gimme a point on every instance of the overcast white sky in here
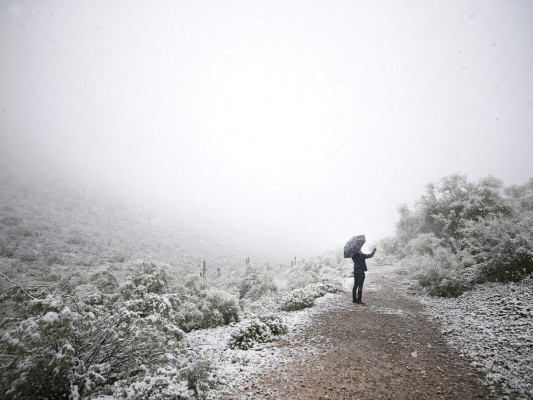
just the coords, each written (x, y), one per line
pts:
(296, 122)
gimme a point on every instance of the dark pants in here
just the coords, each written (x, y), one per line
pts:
(358, 280)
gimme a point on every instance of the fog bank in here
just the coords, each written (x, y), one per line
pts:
(289, 126)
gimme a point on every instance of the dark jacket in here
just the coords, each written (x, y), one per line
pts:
(359, 263)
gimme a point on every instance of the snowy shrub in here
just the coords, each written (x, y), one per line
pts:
(147, 278)
(207, 309)
(65, 353)
(439, 275)
(195, 284)
(225, 304)
(40, 355)
(299, 299)
(199, 377)
(332, 285)
(276, 324)
(258, 330)
(424, 243)
(254, 332)
(463, 233)
(190, 317)
(77, 345)
(255, 284)
(104, 281)
(159, 386)
(501, 248)
(191, 380)
(89, 294)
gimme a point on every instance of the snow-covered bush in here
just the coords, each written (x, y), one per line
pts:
(258, 330)
(80, 318)
(501, 248)
(208, 308)
(433, 277)
(424, 243)
(224, 304)
(199, 376)
(77, 345)
(147, 278)
(332, 285)
(255, 284)
(191, 380)
(161, 385)
(105, 281)
(461, 233)
(276, 323)
(300, 298)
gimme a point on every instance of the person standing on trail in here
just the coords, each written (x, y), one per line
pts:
(359, 269)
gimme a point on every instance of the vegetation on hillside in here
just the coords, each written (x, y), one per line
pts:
(95, 303)
(463, 233)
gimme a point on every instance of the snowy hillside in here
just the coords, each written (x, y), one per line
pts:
(56, 224)
(98, 302)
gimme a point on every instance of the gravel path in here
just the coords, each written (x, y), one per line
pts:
(386, 349)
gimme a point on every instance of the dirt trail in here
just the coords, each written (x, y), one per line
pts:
(386, 349)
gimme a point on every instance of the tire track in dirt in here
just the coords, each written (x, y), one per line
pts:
(386, 349)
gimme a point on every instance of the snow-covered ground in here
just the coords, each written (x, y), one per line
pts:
(493, 327)
(234, 367)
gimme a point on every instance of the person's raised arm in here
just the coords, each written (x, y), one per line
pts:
(371, 254)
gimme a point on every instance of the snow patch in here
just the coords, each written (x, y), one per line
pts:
(493, 327)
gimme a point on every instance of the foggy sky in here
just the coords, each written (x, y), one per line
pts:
(294, 124)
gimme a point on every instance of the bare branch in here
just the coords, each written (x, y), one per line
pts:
(17, 284)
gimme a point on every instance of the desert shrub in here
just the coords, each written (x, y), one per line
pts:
(77, 345)
(88, 294)
(72, 280)
(104, 281)
(522, 195)
(276, 324)
(57, 352)
(190, 379)
(199, 377)
(332, 285)
(161, 385)
(424, 243)
(300, 298)
(500, 248)
(440, 274)
(255, 284)
(190, 318)
(118, 257)
(258, 330)
(147, 277)
(254, 332)
(226, 304)
(208, 308)
(195, 284)
(464, 233)
(52, 257)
